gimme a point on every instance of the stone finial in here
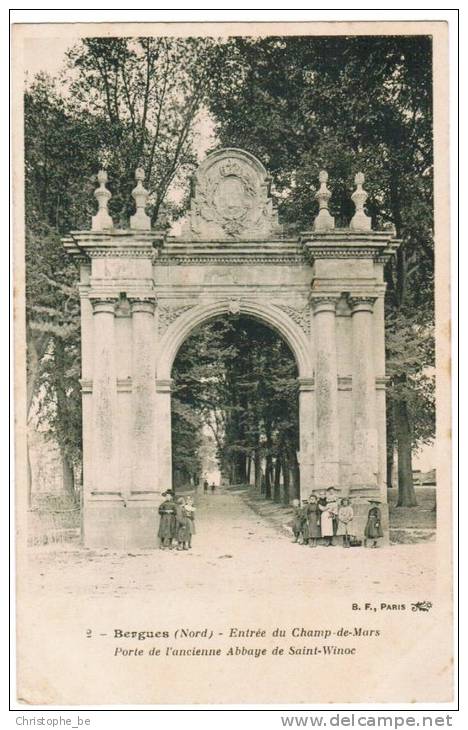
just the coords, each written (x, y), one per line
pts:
(102, 219)
(360, 221)
(323, 221)
(140, 220)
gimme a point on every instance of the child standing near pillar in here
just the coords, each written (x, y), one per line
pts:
(313, 519)
(305, 522)
(190, 511)
(183, 525)
(373, 530)
(167, 520)
(345, 521)
(328, 522)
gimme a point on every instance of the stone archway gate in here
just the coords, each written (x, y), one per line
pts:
(142, 294)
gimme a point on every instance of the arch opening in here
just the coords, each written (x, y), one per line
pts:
(270, 316)
(235, 408)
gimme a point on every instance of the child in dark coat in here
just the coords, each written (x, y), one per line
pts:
(313, 518)
(305, 522)
(373, 529)
(297, 519)
(167, 521)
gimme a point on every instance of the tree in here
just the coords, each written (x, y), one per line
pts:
(130, 103)
(55, 200)
(144, 95)
(347, 104)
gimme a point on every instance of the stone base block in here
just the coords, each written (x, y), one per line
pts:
(120, 525)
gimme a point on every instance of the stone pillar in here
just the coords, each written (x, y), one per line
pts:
(380, 394)
(164, 434)
(104, 421)
(87, 357)
(306, 435)
(143, 395)
(326, 392)
(364, 400)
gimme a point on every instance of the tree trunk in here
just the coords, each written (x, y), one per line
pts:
(276, 485)
(258, 469)
(406, 493)
(268, 465)
(286, 481)
(390, 445)
(390, 463)
(268, 475)
(68, 478)
(295, 489)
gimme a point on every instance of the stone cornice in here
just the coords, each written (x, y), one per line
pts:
(177, 252)
(114, 243)
(347, 244)
(121, 253)
(223, 260)
(309, 246)
(124, 385)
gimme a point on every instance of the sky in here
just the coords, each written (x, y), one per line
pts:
(45, 54)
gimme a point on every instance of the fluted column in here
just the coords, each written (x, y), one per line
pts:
(164, 433)
(326, 392)
(104, 421)
(364, 400)
(143, 396)
(306, 435)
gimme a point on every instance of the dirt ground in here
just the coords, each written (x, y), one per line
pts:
(233, 544)
(243, 572)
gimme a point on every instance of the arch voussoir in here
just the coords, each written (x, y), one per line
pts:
(267, 313)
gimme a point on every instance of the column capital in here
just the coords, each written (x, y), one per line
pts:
(324, 302)
(142, 302)
(362, 302)
(103, 302)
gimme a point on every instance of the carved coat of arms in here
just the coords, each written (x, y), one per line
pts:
(231, 199)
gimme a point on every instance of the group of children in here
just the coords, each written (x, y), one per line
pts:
(324, 517)
(176, 522)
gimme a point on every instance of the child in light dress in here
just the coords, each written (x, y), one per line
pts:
(329, 519)
(345, 521)
(190, 512)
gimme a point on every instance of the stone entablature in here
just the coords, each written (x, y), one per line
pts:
(142, 294)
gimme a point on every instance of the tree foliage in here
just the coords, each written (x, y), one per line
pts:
(240, 378)
(348, 104)
(144, 96)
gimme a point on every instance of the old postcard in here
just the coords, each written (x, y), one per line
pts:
(232, 363)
